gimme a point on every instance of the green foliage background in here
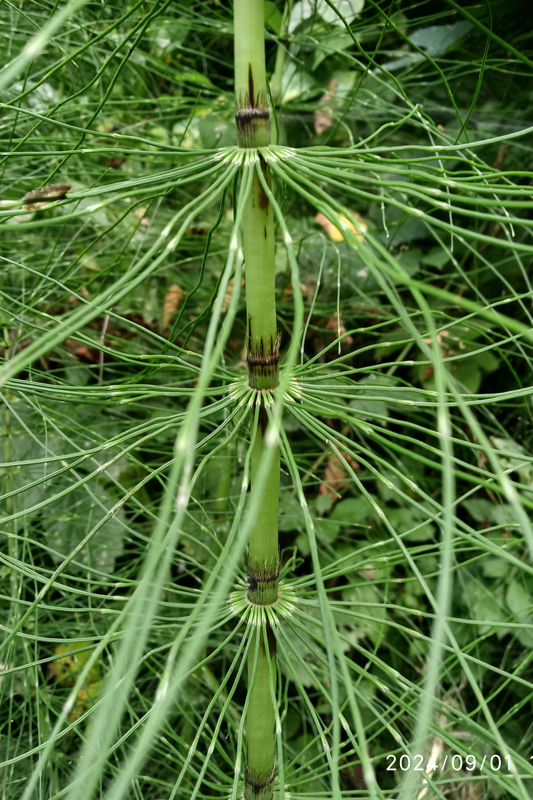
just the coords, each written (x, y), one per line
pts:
(407, 628)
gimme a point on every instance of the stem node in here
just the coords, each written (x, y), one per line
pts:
(263, 362)
(263, 581)
(257, 789)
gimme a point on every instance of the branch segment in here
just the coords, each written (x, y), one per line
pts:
(251, 98)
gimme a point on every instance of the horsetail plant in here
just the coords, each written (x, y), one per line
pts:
(253, 128)
(300, 570)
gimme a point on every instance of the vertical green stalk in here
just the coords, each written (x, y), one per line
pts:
(275, 80)
(263, 342)
(253, 126)
(251, 98)
(260, 719)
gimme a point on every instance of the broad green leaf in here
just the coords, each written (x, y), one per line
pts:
(412, 523)
(351, 511)
(273, 17)
(307, 9)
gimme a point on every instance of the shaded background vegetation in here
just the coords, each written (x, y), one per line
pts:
(119, 102)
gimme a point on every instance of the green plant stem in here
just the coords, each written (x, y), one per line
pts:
(260, 766)
(251, 97)
(259, 252)
(263, 548)
(263, 568)
(253, 126)
(277, 75)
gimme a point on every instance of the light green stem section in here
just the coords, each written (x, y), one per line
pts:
(251, 97)
(249, 16)
(263, 549)
(253, 126)
(259, 252)
(260, 736)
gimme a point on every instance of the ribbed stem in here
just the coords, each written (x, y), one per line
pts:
(263, 548)
(259, 255)
(253, 126)
(260, 764)
(251, 98)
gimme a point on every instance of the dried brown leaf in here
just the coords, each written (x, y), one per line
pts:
(229, 294)
(173, 298)
(39, 198)
(336, 477)
(354, 223)
(324, 112)
(337, 325)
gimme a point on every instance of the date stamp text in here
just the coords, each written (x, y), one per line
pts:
(457, 763)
